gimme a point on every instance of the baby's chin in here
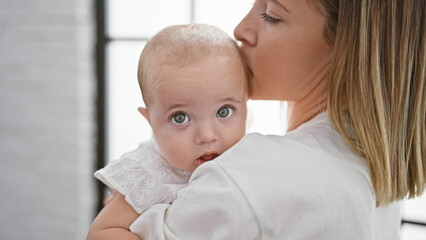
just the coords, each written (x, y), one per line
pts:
(188, 167)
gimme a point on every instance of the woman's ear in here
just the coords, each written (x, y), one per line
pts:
(144, 113)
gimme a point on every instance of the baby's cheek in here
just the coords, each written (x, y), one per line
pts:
(240, 129)
(177, 155)
(235, 137)
(169, 152)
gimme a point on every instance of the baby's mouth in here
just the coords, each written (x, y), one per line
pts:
(206, 157)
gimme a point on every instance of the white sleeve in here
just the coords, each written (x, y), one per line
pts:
(144, 177)
(210, 207)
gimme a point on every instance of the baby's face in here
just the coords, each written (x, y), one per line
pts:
(199, 110)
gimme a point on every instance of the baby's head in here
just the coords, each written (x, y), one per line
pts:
(194, 83)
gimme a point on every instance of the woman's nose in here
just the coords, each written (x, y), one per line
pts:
(245, 32)
(206, 133)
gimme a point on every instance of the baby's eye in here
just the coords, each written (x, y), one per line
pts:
(225, 112)
(180, 118)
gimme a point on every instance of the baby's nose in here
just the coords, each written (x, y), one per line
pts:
(206, 133)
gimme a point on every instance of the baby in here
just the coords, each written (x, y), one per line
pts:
(194, 83)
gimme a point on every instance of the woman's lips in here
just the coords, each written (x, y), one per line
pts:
(205, 158)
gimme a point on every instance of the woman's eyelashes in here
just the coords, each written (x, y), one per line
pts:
(269, 19)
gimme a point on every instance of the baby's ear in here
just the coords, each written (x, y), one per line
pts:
(144, 113)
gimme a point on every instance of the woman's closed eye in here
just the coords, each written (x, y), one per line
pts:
(269, 19)
(225, 111)
(179, 118)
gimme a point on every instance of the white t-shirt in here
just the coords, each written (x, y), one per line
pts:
(307, 184)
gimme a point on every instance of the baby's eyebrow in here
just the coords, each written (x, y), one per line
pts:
(171, 107)
(230, 99)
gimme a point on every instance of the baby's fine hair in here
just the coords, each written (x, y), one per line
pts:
(181, 45)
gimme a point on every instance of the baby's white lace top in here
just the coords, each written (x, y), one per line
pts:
(144, 177)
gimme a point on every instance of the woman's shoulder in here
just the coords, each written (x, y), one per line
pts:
(314, 157)
(314, 152)
(306, 143)
(297, 175)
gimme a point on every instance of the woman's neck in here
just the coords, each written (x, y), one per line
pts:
(296, 116)
(306, 108)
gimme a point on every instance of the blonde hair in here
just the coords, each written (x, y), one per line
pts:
(377, 89)
(180, 45)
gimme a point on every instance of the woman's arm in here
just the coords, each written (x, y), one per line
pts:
(113, 221)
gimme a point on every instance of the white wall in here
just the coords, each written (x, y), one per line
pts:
(47, 118)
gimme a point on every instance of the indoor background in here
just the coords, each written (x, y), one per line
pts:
(68, 105)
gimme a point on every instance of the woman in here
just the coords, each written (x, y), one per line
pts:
(353, 74)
